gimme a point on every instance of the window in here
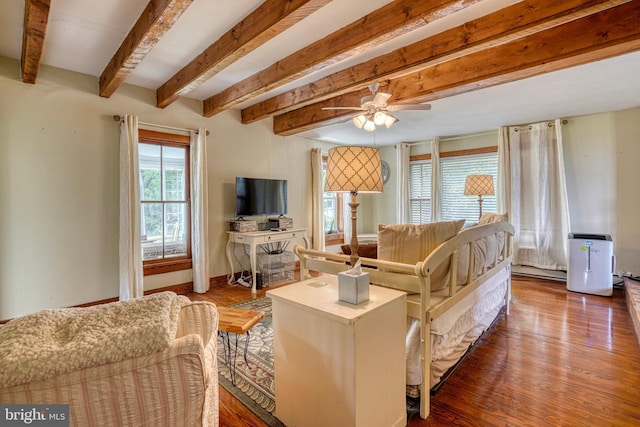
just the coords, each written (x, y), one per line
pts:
(331, 212)
(453, 173)
(454, 168)
(164, 197)
(420, 192)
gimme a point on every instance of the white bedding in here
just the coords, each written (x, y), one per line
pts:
(456, 329)
(445, 322)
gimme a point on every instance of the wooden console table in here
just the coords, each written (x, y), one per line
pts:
(257, 238)
(338, 364)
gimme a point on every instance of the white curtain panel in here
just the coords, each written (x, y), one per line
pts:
(317, 200)
(402, 170)
(503, 192)
(435, 179)
(130, 249)
(199, 210)
(539, 208)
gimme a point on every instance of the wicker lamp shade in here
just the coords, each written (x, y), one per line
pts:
(479, 185)
(354, 169)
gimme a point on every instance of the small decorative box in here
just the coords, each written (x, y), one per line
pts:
(353, 289)
(244, 226)
(282, 222)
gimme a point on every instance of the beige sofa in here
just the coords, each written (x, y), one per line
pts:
(175, 385)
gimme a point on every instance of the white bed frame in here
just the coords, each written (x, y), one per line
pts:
(416, 279)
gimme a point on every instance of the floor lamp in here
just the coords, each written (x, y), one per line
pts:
(479, 185)
(355, 170)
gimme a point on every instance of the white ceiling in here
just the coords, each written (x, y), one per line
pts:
(83, 35)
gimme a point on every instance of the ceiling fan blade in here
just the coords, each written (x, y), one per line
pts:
(409, 107)
(381, 98)
(344, 108)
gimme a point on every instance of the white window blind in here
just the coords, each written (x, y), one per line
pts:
(454, 171)
(420, 191)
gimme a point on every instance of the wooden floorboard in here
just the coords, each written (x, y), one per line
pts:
(232, 412)
(558, 359)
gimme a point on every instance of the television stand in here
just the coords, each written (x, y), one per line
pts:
(256, 238)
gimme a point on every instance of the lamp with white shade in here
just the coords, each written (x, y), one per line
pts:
(355, 170)
(479, 185)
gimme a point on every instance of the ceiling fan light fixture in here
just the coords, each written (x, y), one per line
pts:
(380, 118)
(376, 110)
(369, 125)
(389, 120)
(359, 120)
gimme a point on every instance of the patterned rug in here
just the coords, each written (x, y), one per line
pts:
(254, 380)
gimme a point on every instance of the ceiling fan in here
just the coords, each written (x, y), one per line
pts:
(375, 110)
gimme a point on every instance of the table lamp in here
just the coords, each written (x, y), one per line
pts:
(355, 170)
(479, 185)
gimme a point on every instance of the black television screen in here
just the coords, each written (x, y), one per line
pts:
(259, 196)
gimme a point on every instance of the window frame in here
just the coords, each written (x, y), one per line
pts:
(167, 265)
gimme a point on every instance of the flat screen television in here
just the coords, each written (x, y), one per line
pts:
(260, 196)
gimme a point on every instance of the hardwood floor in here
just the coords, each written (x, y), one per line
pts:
(232, 412)
(558, 359)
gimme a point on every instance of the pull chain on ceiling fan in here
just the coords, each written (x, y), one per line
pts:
(375, 110)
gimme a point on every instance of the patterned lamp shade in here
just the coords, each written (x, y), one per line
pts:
(479, 185)
(354, 169)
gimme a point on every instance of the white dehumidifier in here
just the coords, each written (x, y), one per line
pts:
(591, 264)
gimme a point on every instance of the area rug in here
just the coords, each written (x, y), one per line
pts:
(254, 380)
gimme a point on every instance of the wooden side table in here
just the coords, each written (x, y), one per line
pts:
(236, 321)
(338, 364)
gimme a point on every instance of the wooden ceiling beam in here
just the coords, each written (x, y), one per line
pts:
(602, 35)
(500, 27)
(156, 19)
(384, 24)
(36, 15)
(270, 19)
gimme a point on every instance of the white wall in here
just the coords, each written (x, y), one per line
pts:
(601, 164)
(59, 184)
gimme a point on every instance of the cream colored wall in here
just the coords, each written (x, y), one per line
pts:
(59, 184)
(627, 150)
(601, 164)
(383, 206)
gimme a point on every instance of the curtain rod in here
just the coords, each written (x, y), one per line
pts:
(117, 118)
(453, 138)
(529, 127)
(472, 135)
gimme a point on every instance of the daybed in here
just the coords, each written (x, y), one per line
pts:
(457, 281)
(145, 362)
